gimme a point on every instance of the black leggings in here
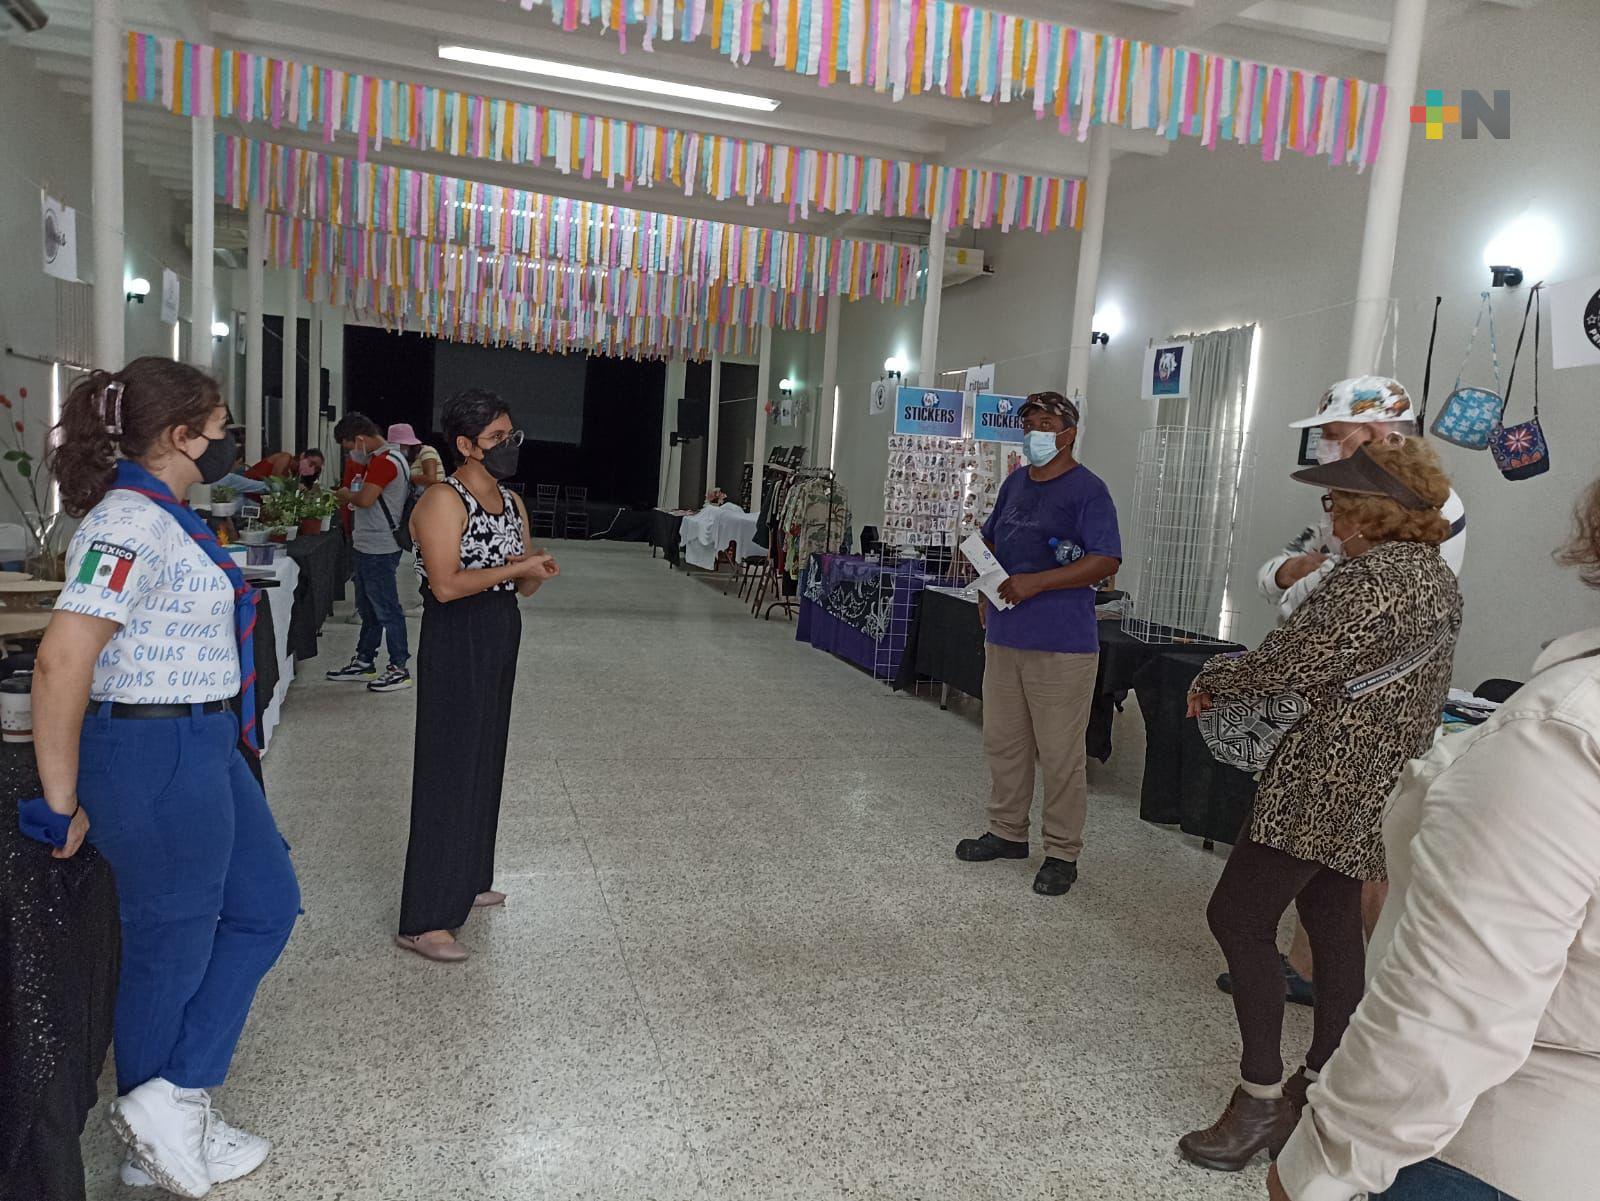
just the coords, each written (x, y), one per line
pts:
(1256, 887)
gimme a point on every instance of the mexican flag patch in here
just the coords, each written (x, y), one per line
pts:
(106, 566)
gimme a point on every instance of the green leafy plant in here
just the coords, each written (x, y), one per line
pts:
(24, 484)
(319, 503)
(221, 494)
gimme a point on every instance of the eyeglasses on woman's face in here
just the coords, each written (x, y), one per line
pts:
(1327, 502)
(502, 438)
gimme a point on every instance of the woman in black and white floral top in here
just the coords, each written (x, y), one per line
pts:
(471, 534)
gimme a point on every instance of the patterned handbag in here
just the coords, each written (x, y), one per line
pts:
(1244, 732)
(1470, 414)
(1521, 451)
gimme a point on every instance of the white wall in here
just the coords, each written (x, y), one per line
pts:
(44, 141)
(1202, 240)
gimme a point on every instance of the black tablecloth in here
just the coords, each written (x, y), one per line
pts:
(666, 530)
(1183, 784)
(619, 523)
(324, 561)
(60, 951)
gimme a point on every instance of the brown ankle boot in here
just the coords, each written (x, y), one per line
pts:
(1248, 1126)
(1294, 1091)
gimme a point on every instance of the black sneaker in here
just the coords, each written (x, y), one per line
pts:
(357, 669)
(1297, 990)
(393, 679)
(1055, 877)
(990, 846)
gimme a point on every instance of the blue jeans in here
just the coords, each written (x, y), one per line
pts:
(1432, 1180)
(378, 603)
(204, 885)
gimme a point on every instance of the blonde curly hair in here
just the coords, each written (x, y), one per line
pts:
(1412, 461)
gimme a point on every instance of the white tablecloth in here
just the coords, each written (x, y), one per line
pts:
(712, 528)
(281, 601)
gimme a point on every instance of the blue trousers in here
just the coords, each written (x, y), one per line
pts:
(204, 884)
(378, 604)
(1432, 1180)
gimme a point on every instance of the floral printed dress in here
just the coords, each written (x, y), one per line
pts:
(1322, 797)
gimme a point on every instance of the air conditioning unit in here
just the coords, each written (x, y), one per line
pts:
(963, 264)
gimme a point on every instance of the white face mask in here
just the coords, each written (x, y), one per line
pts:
(1329, 451)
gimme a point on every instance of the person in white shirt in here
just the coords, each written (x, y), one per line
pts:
(1352, 413)
(139, 749)
(1471, 1070)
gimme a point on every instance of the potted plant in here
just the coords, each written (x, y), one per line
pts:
(30, 495)
(224, 500)
(317, 508)
(254, 533)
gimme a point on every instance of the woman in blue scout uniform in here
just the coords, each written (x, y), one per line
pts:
(139, 745)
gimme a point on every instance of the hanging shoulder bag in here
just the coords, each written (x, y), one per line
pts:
(1244, 732)
(1469, 414)
(1521, 451)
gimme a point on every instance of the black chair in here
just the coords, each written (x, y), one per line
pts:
(542, 512)
(576, 524)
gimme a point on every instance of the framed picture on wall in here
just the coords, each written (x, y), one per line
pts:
(1310, 440)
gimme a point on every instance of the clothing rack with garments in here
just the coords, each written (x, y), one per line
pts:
(809, 513)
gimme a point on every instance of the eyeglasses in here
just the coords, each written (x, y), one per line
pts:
(1327, 502)
(514, 438)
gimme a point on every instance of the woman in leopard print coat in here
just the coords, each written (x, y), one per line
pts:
(1314, 834)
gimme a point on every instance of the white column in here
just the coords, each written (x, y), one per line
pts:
(822, 456)
(1376, 277)
(293, 436)
(289, 403)
(758, 456)
(203, 261)
(105, 167)
(929, 369)
(254, 304)
(713, 420)
(1090, 243)
(670, 392)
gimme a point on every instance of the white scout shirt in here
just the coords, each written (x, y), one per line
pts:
(131, 563)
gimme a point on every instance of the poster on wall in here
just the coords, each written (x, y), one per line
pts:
(999, 418)
(171, 296)
(1575, 329)
(786, 410)
(58, 236)
(879, 400)
(928, 412)
(1166, 371)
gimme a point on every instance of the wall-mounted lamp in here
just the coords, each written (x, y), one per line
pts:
(219, 330)
(895, 367)
(138, 289)
(1099, 338)
(1531, 242)
(787, 386)
(1107, 324)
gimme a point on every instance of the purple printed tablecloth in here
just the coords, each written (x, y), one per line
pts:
(860, 609)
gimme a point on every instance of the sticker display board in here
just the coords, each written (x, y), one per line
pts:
(1166, 371)
(998, 418)
(928, 412)
(1575, 325)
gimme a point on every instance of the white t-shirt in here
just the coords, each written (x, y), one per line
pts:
(131, 563)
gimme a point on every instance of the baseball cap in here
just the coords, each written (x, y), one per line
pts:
(1050, 402)
(401, 434)
(1364, 476)
(1362, 399)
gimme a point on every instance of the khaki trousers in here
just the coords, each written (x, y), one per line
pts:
(1036, 705)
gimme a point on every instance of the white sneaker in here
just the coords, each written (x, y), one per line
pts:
(230, 1154)
(164, 1128)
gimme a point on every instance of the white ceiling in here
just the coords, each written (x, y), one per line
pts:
(399, 39)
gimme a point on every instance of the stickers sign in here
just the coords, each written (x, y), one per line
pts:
(1166, 371)
(929, 412)
(999, 418)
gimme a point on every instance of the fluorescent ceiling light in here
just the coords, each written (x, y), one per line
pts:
(605, 79)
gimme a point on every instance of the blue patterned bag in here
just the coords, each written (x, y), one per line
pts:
(1470, 415)
(1521, 451)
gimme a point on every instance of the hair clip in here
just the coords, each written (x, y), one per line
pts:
(111, 407)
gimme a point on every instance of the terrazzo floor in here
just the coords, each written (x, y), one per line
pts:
(740, 961)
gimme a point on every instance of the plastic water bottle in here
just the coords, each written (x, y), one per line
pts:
(1066, 552)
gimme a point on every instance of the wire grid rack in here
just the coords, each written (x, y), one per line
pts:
(1193, 491)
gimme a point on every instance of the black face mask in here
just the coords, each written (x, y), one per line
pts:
(501, 461)
(217, 458)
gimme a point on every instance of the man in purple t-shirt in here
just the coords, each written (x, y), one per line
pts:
(1054, 530)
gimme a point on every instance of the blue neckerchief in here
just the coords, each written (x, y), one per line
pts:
(131, 477)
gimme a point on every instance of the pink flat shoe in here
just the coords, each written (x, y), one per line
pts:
(445, 951)
(488, 900)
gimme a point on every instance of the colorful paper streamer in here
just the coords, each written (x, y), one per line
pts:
(1074, 76)
(199, 80)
